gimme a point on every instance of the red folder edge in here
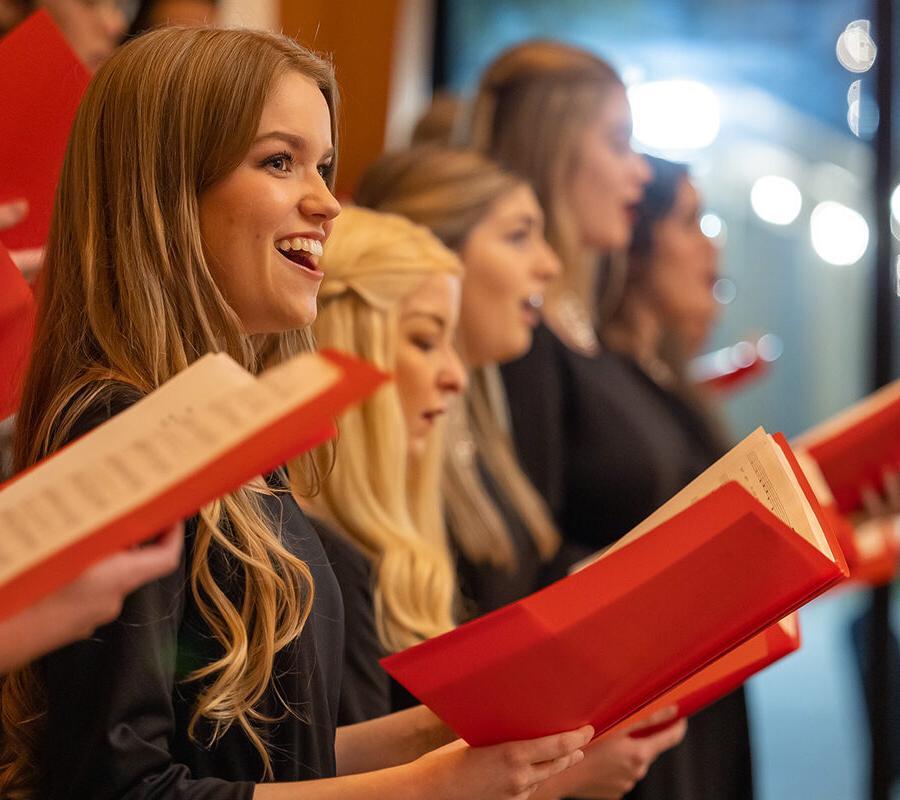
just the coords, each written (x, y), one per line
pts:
(294, 435)
(17, 316)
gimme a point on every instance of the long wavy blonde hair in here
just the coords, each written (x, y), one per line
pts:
(128, 298)
(390, 507)
(533, 105)
(450, 191)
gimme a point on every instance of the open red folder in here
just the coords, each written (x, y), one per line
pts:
(731, 554)
(16, 326)
(41, 84)
(854, 448)
(722, 676)
(204, 433)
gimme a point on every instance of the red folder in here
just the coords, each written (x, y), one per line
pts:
(41, 84)
(855, 454)
(292, 434)
(722, 676)
(599, 645)
(17, 311)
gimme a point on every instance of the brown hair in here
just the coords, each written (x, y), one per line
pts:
(532, 106)
(451, 191)
(128, 298)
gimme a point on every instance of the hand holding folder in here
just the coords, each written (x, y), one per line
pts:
(204, 433)
(733, 553)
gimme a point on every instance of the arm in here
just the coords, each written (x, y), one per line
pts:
(389, 741)
(92, 599)
(508, 771)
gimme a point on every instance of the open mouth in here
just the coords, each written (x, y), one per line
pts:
(431, 416)
(301, 251)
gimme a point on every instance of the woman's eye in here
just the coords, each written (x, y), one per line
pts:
(519, 236)
(423, 344)
(325, 170)
(280, 162)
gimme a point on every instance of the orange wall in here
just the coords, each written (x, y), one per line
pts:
(360, 36)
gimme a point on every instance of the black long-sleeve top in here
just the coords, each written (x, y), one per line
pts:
(365, 686)
(119, 708)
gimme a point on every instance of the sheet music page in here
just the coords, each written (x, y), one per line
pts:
(875, 402)
(760, 467)
(148, 448)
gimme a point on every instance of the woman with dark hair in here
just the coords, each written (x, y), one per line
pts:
(661, 318)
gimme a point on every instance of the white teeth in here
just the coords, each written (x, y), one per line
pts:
(312, 246)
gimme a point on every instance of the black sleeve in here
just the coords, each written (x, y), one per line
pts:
(535, 390)
(110, 717)
(365, 686)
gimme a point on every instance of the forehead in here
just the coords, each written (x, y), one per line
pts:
(437, 295)
(297, 106)
(614, 110)
(518, 202)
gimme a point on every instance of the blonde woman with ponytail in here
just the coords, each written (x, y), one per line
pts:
(194, 201)
(504, 540)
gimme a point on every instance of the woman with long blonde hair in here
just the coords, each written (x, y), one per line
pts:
(505, 543)
(392, 298)
(193, 206)
(591, 432)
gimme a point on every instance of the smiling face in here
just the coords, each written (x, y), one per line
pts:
(508, 266)
(683, 270)
(264, 224)
(428, 370)
(608, 177)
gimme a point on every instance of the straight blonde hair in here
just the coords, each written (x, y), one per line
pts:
(128, 298)
(451, 191)
(392, 511)
(533, 105)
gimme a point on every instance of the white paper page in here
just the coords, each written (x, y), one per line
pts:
(156, 444)
(759, 466)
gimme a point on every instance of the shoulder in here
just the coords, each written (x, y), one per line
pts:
(349, 562)
(94, 405)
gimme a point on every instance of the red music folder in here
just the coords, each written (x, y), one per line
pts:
(853, 448)
(17, 312)
(204, 433)
(722, 676)
(734, 552)
(41, 84)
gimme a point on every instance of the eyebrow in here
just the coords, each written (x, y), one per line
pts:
(437, 319)
(298, 143)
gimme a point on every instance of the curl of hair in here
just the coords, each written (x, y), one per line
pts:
(393, 512)
(128, 297)
(532, 108)
(450, 191)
